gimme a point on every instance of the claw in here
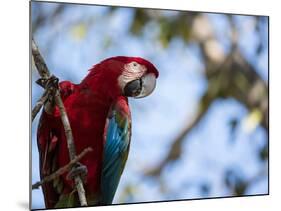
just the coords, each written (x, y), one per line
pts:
(52, 81)
(78, 170)
(50, 84)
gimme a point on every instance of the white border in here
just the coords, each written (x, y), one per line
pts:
(15, 103)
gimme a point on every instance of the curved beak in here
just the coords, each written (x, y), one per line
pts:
(141, 87)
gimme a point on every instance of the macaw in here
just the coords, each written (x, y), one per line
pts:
(100, 118)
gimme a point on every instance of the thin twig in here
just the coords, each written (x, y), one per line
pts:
(63, 169)
(40, 103)
(45, 74)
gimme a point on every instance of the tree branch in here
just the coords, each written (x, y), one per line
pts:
(40, 103)
(45, 75)
(63, 169)
(39, 62)
(175, 149)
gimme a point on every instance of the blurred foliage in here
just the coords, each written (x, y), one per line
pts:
(79, 31)
(252, 120)
(169, 27)
(235, 182)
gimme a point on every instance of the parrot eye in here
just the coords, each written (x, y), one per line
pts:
(135, 64)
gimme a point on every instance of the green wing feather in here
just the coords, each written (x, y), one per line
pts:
(117, 143)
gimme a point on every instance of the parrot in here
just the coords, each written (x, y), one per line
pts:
(100, 118)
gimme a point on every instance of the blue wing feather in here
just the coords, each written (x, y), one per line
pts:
(115, 152)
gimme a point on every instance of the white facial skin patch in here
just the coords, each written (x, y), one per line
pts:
(132, 71)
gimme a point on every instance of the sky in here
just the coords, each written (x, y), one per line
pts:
(84, 35)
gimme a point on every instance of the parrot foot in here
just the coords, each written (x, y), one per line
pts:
(52, 81)
(50, 84)
(78, 170)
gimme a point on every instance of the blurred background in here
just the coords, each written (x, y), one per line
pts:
(204, 131)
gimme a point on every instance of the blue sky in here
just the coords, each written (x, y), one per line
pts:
(207, 151)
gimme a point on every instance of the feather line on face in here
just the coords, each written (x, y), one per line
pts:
(132, 71)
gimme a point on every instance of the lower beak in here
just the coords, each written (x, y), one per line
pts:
(133, 88)
(141, 87)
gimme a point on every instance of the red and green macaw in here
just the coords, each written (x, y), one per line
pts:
(100, 118)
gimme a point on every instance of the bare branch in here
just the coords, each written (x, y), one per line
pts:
(40, 103)
(39, 62)
(63, 169)
(45, 74)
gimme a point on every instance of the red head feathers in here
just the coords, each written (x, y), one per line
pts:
(121, 75)
(124, 59)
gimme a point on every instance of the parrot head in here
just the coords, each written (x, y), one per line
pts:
(137, 78)
(127, 76)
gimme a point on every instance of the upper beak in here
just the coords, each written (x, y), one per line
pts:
(141, 87)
